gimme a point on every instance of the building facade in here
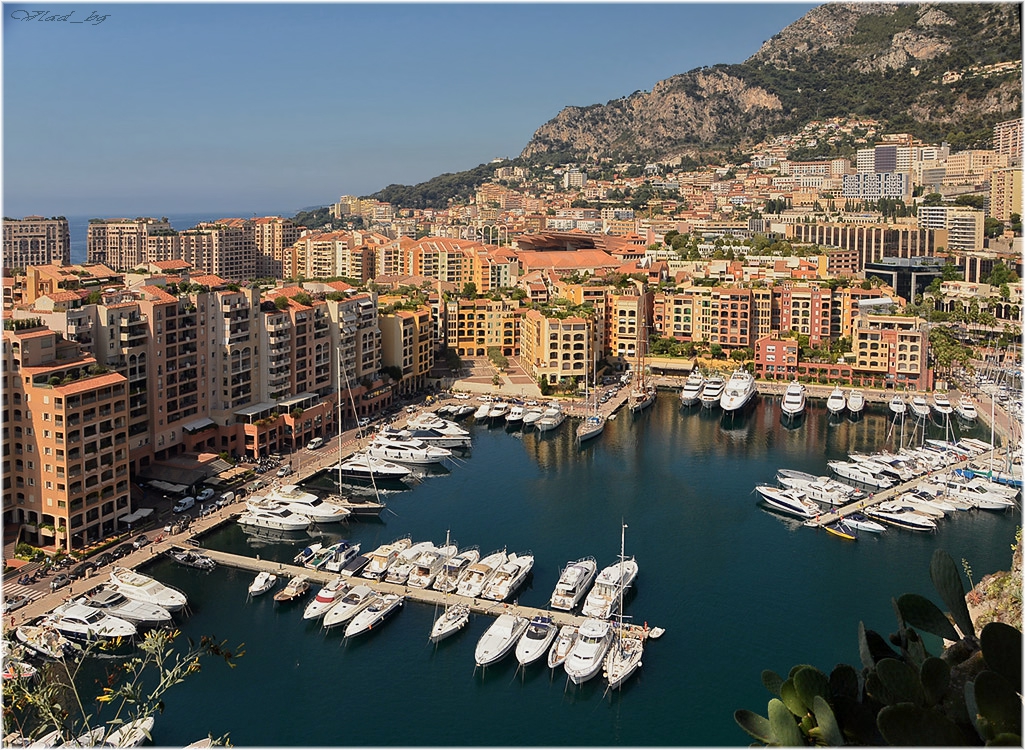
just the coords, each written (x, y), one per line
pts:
(36, 241)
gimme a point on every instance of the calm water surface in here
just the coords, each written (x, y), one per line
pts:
(737, 588)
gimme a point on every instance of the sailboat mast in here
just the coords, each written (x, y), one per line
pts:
(339, 351)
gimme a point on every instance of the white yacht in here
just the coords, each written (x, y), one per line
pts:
(444, 426)
(856, 402)
(536, 639)
(854, 472)
(861, 523)
(398, 572)
(136, 585)
(407, 451)
(592, 426)
(897, 404)
(364, 466)
(376, 612)
(836, 402)
(113, 602)
(351, 604)
(739, 391)
(821, 489)
(454, 618)
(712, 392)
(550, 418)
(563, 644)
(263, 583)
(530, 417)
(381, 558)
(499, 409)
(329, 593)
(294, 498)
(691, 392)
(429, 564)
(81, 623)
(573, 583)
(426, 435)
(482, 412)
(334, 557)
(941, 406)
(588, 653)
(509, 576)
(919, 406)
(515, 415)
(794, 400)
(789, 501)
(966, 408)
(499, 639)
(265, 515)
(603, 600)
(453, 571)
(480, 574)
(46, 640)
(642, 397)
(895, 514)
(624, 656)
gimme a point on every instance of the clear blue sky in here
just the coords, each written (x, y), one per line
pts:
(166, 108)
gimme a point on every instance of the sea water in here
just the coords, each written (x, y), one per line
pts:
(737, 588)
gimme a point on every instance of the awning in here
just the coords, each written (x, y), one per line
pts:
(138, 515)
(169, 487)
(198, 424)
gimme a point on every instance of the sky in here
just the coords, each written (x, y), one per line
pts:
(153, 109)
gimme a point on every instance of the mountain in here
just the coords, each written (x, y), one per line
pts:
(888, 61)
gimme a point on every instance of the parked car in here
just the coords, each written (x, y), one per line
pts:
(123, 550)
(315, 443)
(363, 421)
(82, 570)
(140, 541)
(105, 559)
(226, 498)
(15, 602)
(184, 504)
(205, 495)
(59, 580)
(284, 471)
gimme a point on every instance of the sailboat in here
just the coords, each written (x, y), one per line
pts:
(643, 394)
(594, 423)
(624, 657)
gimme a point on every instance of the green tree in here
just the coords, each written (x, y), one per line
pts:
(933, 199)
(470, 290)
(281, 302)
(993, 227)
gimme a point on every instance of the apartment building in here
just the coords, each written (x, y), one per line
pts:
(272, 235)
(872, 241)
(964, 226)
(1005, 193)
(493, 268)
(36, 241)
(973, 166)
(121, 244)
(394, 258)
(875, 185)
(445, 259)
(226, 248)
(50, 279)
(627, 323)
(805, 310)
(407, 343)
(477, 325)
(65, 467)
(776, 358)
(1007, 140)
(894, 349)
(554, 348)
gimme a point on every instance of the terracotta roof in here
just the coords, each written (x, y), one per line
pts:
(171, 265)
(65, 296)
(32, 334)
(159, 294)
(210, 280)
(91, 383)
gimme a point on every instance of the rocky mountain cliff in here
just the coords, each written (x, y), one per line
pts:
(886, 61)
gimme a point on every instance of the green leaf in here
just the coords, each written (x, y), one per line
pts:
(947, 580)
(754, 724)
(878, 647)
(771, 681)
(935, 679)
(998, 703)
(1001, 648)
(906, 724)
(1006, 740)
(924, 615)
(915, 649)
(811, 682)
(863, 650)
(843, 680)
(901, 682)
(790, 697)
(797, 668)
(784, 727)
(827, 722)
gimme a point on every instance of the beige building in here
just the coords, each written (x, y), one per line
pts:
(226, 248)
(121, 244)
(895, 347)
(475, 326)
(407, 343)
(554, 348)
(272, 234)
(1005, 193)
(36, 241)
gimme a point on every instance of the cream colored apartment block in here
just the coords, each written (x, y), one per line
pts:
(407, 342)
(1005, 193)
(36, 241)
(554, 348)
(122, 244)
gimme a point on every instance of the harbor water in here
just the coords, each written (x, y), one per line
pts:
(737, 588)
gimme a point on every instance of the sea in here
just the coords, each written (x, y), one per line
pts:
(737, 588)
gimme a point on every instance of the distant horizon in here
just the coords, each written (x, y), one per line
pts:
(218, 108)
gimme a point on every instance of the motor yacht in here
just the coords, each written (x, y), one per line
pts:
(550, 418)
(135, 585)
(462, 412)
(691, 393)
(509, 577)
(453, 571)
(498, 410)
(264, 515)
(499, 639)
(113, 602)
(306, 554)
(383, 557)
(398, 572)
(81, 623)
(574, 581)
(414, 452)
(480, 574)
(326, 597)
(263, 583)
(363, 466)
(897, 404)
(46, 640)
(856, 403)
(536, 639)
(586, 657)
(603, 600)
(794, 400)
(334, 557)
(854, 472)
(351, 604)
(482, 412)
(453, 619)
(941, 406)
(191, 559)
(429, 564)
(296, 588)
(898, 515)
(821, 489)
(789, 501)
(562, 645)
(712, 391)
(294, 498)
(530, 417)
(739, 391)
(515, 415)
(965, 408)
(836, 402)
(591, 427)
(375, 613)
(919, 406)
(443, 426)
(859, 522)
(428, 436)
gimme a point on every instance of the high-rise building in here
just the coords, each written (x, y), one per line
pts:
(964, 226)
(121, 244)
(1007, 140)
(36, 241)
(554, 348)
(1005, 193)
